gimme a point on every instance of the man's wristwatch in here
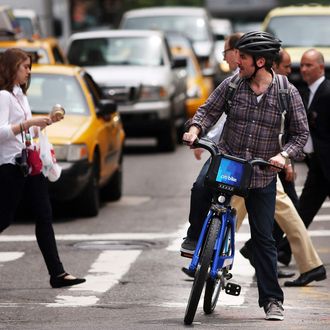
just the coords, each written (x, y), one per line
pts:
(286, 156)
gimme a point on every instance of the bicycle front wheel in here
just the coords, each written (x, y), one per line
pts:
(214, 286)
(212, 292)
(202, 270)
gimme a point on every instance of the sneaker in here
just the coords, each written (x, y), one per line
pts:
(188, 246)
(274, 311)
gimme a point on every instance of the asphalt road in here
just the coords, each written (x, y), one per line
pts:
(129, 256)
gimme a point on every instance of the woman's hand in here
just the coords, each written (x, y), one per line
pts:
(40, 121)
(57, 113)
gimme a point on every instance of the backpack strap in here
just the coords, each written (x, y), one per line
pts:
(283, 96)
(231, 90)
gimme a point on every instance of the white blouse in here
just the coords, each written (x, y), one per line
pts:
(14, 108)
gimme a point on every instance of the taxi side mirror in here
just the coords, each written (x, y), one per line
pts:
(106, 107)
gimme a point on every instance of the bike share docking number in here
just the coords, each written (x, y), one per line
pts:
(230, 173)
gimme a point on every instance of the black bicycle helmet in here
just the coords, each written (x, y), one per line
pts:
(259, 43)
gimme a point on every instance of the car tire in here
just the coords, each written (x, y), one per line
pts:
(89, 200)
(112, 191)
(167, 139)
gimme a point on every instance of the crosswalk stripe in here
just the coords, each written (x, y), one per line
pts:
(104, 273)
(10, 256)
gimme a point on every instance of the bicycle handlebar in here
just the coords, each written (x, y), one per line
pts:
(210, 146)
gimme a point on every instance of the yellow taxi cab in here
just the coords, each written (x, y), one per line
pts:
(301, 27)
(88, 142)
(43, 50)
(199, 87)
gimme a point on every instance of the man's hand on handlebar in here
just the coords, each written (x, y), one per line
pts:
(277, 160)
(190, 137)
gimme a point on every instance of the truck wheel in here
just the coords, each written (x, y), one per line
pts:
(167, 138)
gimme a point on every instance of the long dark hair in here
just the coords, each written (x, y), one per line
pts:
(10, 61)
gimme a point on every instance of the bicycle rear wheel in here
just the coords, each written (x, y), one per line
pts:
(202, 270)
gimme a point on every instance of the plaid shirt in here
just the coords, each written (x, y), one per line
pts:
(252, 128)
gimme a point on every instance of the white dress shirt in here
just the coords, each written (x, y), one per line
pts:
(14, 108)
(309, 148)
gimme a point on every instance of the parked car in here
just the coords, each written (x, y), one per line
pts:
(301, 27)
(198, 87)
(136, 69)
(43, 51)
(192, 21)
(88, 142)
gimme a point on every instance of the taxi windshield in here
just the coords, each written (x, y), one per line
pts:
(46, 90)
(140, 51)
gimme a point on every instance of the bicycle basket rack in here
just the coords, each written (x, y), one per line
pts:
(229, 175)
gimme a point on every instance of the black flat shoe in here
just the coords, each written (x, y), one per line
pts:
(247, 254)
(316, 274)
(61, 281)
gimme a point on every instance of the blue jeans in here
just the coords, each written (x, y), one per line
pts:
(260, 205)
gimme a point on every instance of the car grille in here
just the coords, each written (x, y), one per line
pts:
(121, 94)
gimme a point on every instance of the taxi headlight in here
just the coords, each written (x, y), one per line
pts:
(71, 152)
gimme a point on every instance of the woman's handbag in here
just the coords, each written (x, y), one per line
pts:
(50, 168)
(21, 162)
(34, 161)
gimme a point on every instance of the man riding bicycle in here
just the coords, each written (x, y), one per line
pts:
(251, 131)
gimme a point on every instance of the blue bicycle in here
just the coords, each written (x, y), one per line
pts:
(214, 254)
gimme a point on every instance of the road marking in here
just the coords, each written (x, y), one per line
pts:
(91, 237)
(10, 256)
(104, 273)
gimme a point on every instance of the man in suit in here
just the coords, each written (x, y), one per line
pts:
(317, 185)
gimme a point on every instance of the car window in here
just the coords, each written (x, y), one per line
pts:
(146, 51)
(193, 26)
(301, 31)
(26, 25)
(46, 90)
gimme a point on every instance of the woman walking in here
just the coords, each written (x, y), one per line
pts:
(17, 129)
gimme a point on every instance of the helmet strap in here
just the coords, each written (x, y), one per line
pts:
(256, 67)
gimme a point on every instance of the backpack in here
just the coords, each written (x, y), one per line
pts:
(283, 98)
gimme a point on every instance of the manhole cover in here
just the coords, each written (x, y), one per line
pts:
(115, 245)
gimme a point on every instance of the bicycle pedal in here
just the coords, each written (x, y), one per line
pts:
(233, 289)
(187, 271)
(228, 276)
(186, 255)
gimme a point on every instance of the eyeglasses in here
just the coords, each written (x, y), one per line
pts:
(226, 50)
